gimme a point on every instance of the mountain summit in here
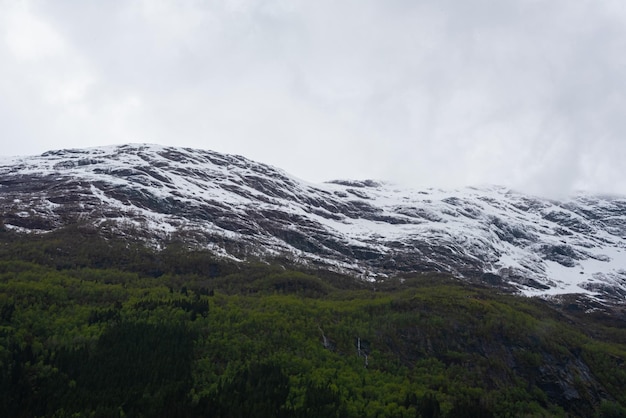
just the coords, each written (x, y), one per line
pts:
(242, 209)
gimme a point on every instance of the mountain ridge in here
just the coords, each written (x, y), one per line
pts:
(239, 208)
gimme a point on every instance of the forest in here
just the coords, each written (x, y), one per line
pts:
(95, 326)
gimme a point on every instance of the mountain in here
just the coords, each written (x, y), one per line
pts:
(242, 209)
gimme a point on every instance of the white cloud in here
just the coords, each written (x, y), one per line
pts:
(28, 37)
(526, 93)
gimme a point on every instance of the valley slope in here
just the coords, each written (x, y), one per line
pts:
(242, 209)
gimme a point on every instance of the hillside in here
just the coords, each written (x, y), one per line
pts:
(244, 210)
(103, 327)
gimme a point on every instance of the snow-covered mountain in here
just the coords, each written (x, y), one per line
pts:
(240, 208)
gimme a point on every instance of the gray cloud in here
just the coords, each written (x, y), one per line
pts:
(523, 93)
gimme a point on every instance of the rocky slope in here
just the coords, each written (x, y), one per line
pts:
(240, 208)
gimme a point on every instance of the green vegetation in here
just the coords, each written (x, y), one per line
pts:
(102, 327)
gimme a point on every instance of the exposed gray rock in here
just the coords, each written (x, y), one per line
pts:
(370, 228)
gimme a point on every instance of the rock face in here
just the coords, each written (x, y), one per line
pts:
(239, 208)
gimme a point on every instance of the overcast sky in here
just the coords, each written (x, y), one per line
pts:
(530, 94)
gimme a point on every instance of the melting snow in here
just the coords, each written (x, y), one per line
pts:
(498, 229)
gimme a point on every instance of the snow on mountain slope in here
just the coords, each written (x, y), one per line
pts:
(240, 208)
